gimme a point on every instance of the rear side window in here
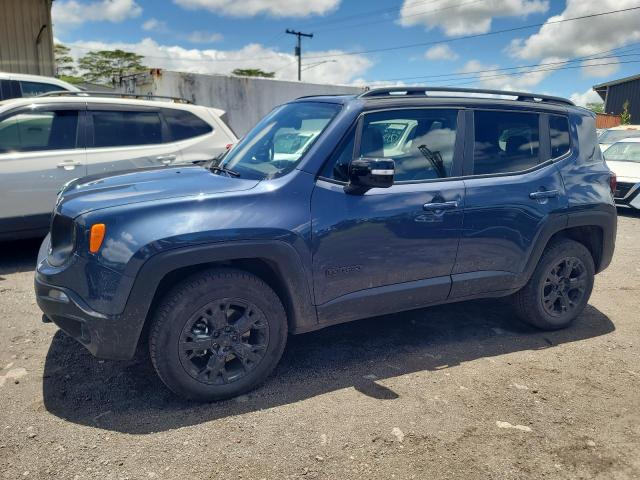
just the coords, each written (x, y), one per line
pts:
(126, 128)
(505, 142)
(559, 135)
(31, 89)
(185, 125)
(39, 130)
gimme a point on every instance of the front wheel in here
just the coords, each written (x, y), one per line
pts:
(559, 288)
(217, 334)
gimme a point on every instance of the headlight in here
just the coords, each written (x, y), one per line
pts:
(63, 239)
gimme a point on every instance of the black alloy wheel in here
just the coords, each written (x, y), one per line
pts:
(564, 287)
(224, 341)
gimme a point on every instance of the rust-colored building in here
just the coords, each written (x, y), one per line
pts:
(26, 37)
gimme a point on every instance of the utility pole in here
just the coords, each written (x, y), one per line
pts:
(299, 48)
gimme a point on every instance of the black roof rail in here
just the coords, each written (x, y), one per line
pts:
(88, 93)
(327, 95)
(413, 91)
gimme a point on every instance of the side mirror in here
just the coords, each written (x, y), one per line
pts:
(366, 173)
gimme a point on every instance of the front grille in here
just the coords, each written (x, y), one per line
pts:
(622, 189)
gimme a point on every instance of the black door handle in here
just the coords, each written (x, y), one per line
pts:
(436, 206)
(542, 194)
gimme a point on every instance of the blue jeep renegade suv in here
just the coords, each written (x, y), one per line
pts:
(332, 209)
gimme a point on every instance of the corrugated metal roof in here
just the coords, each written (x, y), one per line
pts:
(616, 82)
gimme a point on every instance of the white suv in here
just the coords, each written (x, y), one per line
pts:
(16, 85)
(48, 141)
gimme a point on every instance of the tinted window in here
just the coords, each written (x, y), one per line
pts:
(39, 130)
(276, 144)
(9, 89)
(559, 135)
(185, 124)
(122, 128)
(337, 167)
(505, 142)
(31, 89)
(421, 142)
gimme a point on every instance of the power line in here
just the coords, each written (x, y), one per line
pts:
(365, 52)
(426, 12)
(368, 13)
(569, 67)
(594, 56)
(477, 35)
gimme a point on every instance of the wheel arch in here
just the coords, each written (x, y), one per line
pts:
(596, 230)
(275, 262)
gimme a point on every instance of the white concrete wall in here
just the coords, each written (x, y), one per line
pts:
(245, 99)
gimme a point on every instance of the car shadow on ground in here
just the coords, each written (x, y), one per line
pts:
(128, 396)
(19, 256)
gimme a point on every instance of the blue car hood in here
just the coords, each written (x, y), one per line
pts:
(103, 191)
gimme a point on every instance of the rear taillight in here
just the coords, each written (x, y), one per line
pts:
(613, 182)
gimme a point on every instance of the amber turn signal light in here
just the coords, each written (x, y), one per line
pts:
(96, 236)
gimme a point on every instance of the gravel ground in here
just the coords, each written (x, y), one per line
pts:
(458, 391)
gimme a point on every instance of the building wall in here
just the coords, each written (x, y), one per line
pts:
(618, 94)
(245, 99)
(20, 23)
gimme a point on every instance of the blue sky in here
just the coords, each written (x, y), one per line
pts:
(215, 36)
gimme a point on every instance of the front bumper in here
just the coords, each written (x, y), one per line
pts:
(111, 337)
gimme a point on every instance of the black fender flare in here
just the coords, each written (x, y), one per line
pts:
(605, 219)
(282, 255)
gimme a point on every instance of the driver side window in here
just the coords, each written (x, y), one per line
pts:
(421, 142)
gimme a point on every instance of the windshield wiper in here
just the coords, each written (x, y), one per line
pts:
(435, 159)
(228, 171)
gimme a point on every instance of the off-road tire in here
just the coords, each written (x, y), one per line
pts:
(193, 296)
(533, 302)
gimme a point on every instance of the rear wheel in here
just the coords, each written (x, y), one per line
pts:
(217, 334)
(559, 288)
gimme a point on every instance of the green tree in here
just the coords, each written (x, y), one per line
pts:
(65, 65)
(625, 116)
(109, 66)
(252, 72)
(596, 107)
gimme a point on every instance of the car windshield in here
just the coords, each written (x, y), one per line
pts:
(277, 144)
(623, 152)
(613, 136)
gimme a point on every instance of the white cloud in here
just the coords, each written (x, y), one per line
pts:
(582, 37)
(463, 18)
(153, 24)
(600, 67)
(276, 8)
(585, 97)
(204, 37)
(441, 52)
(523, 80)
(343, 71)
(73, 12)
